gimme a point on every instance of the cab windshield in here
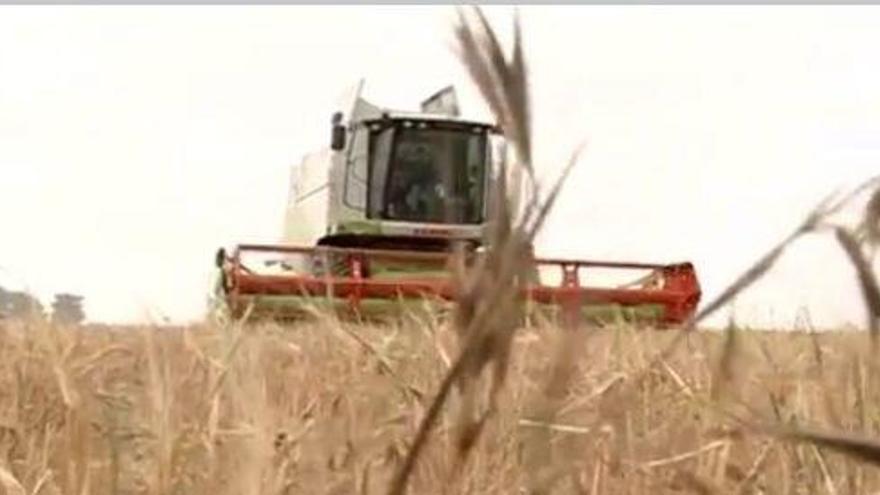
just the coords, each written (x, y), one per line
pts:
(421, 172)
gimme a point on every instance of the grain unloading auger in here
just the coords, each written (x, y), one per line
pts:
(371, 223)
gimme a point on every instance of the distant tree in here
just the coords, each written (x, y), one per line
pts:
(16, 304)
(19, 305)
(4, 311)
(67, 309)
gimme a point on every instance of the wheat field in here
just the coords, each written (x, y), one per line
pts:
(328, 407)
(469, 405)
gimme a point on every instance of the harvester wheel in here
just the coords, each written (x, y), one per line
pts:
(220, 258)
(218, 307)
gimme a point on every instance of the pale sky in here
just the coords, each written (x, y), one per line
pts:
(136, 140)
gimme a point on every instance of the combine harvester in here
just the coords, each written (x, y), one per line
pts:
(371, 223)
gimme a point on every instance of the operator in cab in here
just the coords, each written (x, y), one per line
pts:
(416, 191)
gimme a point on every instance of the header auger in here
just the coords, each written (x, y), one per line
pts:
(372, 221)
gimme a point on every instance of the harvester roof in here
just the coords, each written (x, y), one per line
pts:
(404, 115)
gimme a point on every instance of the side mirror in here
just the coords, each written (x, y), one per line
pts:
(337, 137)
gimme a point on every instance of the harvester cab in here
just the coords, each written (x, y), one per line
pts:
(372, 219)
(393, 180)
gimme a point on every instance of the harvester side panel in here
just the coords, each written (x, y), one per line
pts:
(308, 204)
